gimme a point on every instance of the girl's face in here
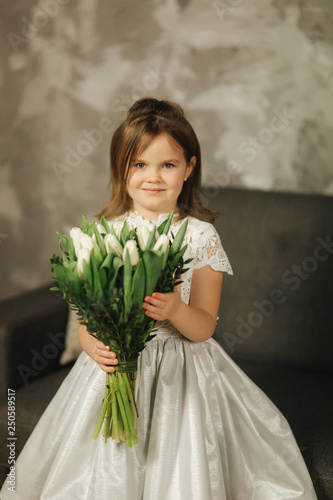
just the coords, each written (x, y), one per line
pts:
(156, 177)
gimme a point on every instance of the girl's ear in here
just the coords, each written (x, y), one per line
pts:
(190, 166)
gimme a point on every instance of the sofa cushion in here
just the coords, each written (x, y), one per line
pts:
(277, 307)
(303, 397)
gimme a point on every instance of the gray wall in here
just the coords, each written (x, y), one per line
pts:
(255, 77)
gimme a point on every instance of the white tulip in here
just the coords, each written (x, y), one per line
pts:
(111, 243)
(162, 243)
(84, 254)
(148, 224)
(75, 234)
(132, 248)
(101, 229)
(143, 236)
(86, 241)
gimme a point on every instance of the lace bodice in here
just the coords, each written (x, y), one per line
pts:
(203, 246)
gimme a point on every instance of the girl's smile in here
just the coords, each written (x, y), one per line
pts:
(154, 191)
(156, 177)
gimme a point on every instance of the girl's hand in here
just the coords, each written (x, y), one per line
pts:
(161, 306)
(104, 357)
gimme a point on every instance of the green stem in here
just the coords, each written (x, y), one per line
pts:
(115, 421)
(103, 411)
(128, 407)
(123, 413)
(131, 394)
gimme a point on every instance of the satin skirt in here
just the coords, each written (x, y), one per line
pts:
(205, 431)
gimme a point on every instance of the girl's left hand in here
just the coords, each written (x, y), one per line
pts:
(161, 306)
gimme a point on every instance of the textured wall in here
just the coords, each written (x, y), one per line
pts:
(255, 77)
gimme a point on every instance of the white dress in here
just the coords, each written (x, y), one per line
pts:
(205, 430)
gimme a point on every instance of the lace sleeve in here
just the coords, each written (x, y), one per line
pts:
(209, 250)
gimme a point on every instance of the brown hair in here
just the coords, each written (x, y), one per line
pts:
(146, 120)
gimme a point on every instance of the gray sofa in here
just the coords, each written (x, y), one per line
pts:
(275, 321)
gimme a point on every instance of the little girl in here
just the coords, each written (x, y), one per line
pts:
(205, 430)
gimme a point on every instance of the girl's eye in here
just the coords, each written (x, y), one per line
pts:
(140, 165)
(168, 165)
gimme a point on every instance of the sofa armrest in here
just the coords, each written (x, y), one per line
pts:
(32, 336)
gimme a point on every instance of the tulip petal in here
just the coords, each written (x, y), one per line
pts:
(142, 237)
(132, 249)
(112, 244)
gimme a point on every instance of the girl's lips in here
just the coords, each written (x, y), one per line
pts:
(153, 191)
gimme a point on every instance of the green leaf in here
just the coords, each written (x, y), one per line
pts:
(127, 286)
(105, 225)
(151, 240)
(73, 267)
(97, 254)
(165, 226)
(55, 259)
(102, 277)
(63, 239)
(138, 284)
(153, 261)
(99, 241)
(178, 240)
(66, 263)
(108, 260)
(85, 224)
(124, 234)
(131, 235)
(60, 273)
(97, 283)
(71, 250)
(117, 265)
(87, 272)
(165, 258)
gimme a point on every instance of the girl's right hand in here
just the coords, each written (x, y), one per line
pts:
(105, 358)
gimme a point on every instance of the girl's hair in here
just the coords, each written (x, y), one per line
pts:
(146, 120)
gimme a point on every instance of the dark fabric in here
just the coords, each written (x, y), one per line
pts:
(265, 235)
(32, 334)
(304, 398)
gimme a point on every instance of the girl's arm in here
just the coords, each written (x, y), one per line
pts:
(196, 321)
(97, 350)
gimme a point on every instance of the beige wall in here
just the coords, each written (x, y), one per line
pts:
(255, 77)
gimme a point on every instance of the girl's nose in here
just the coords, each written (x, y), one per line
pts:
(153, 174)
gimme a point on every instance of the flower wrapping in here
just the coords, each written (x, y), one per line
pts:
(104, 274)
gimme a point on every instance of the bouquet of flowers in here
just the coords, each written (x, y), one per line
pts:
(104, 274)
